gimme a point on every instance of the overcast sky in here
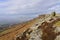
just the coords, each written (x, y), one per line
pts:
(25, 9)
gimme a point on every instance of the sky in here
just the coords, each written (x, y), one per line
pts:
(21, 10)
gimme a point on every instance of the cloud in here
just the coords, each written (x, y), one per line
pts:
(17, 6)
(26, 6)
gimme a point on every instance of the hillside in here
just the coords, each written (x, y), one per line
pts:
(43, 27)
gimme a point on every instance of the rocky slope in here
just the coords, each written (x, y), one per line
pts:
(47, 29)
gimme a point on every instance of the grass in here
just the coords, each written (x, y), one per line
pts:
(58, 24)
(2, 31)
